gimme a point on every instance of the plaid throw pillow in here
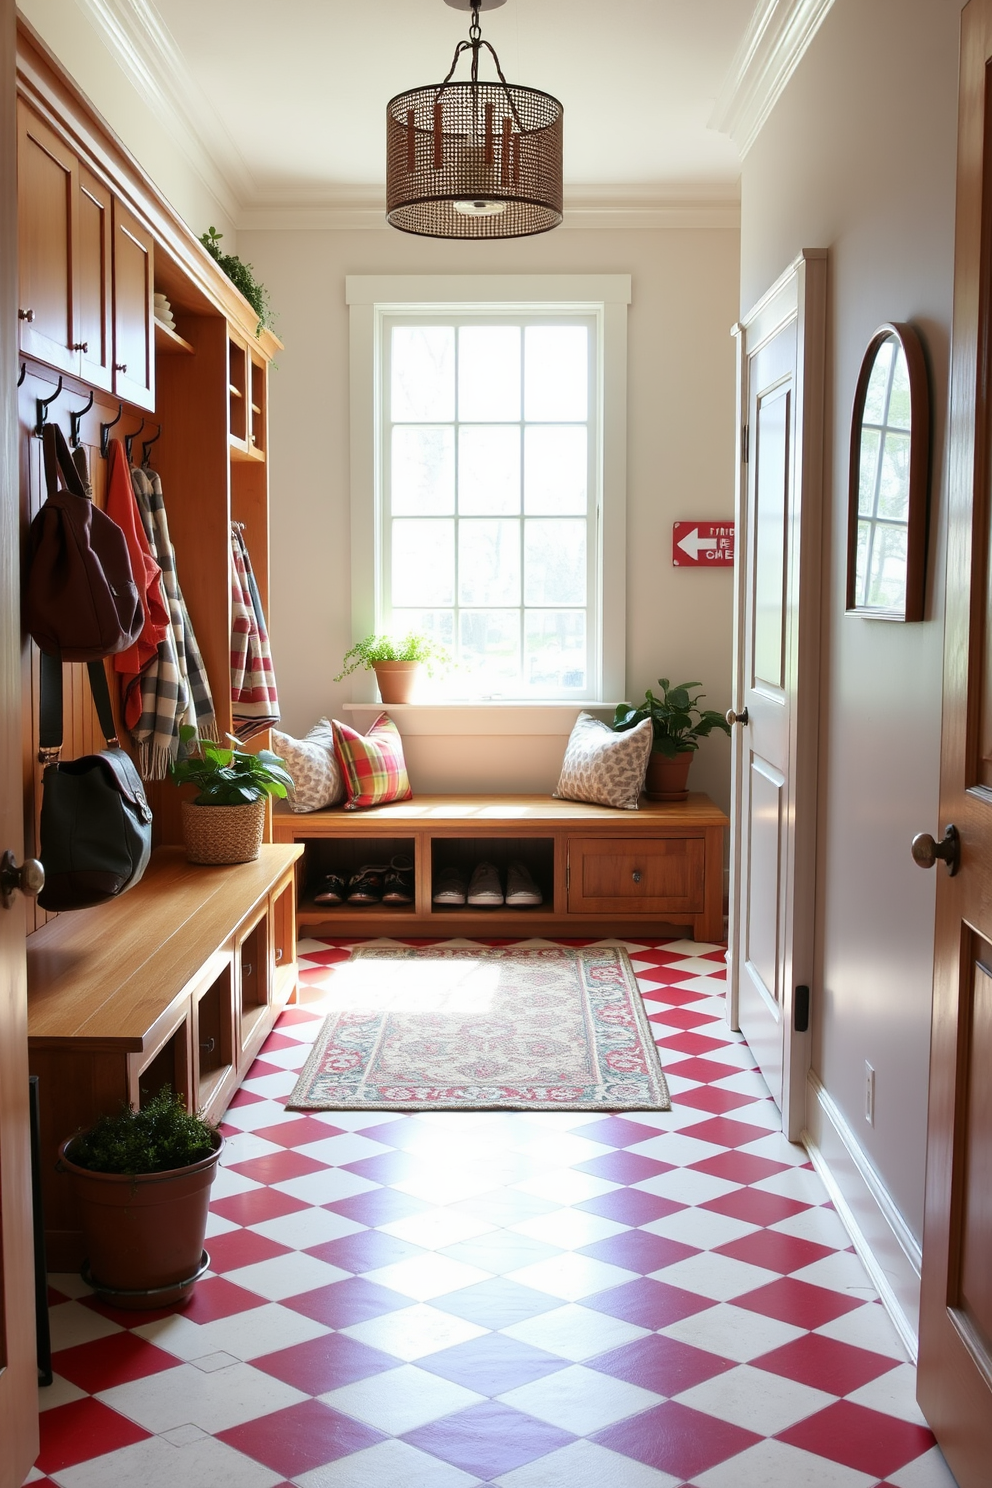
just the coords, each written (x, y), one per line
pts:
(372, 764)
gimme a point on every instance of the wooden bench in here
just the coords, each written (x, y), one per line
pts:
(602, 871)
(176, 982)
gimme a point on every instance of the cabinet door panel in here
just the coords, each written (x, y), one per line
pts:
(134, 298)
(94, 243)
(47, 182)
(658, 876)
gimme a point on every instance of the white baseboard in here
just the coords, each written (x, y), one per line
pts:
(888, 1249)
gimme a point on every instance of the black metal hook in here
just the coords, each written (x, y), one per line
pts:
(146, 445)
(42, 406)
(130, 438)
(76, 418)
(105, 431)
(24, 373)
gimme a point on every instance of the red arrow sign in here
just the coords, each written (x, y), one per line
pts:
(703, 545)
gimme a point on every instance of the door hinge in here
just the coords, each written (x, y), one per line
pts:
(745, 443)
(800, 1010)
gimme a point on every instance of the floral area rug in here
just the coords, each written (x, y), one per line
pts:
(484, 1028)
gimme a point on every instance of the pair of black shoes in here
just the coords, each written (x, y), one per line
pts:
(374, 883)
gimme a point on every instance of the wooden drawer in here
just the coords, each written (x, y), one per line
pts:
(633, 875)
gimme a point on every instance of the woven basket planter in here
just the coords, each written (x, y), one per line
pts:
(223, 834)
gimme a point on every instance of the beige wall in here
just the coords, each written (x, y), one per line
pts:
(184, 180)
(858, 157)
(680, 464)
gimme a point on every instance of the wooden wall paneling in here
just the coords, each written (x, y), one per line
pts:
(250, 505)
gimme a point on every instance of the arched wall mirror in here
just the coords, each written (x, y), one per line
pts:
(889, 479)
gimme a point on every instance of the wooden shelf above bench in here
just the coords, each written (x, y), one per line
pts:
(602, 871)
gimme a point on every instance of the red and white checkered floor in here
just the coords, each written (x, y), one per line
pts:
(528, 1300)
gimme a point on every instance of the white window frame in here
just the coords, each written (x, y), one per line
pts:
(374, 301)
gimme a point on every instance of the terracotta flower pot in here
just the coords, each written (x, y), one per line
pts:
(396, 680)
(144, 1232)
(666, 778)
(223, 834)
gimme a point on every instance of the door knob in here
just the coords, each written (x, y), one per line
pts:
(29, 878)
(926, 851)
(740, 717)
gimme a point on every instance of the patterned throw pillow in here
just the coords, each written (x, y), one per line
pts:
(602, 767)
(313, 766)
(372, 764)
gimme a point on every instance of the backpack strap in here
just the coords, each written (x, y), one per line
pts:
(50, 710)
(58, 460)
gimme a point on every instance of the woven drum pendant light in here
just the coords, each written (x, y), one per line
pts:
(473, 159)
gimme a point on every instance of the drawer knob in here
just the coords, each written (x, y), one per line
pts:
(636, 875)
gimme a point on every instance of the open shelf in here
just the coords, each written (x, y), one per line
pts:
(169, 342)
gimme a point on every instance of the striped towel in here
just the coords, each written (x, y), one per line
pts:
(253, 684)
(174, 689)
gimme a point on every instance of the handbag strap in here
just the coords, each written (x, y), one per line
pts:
(50, 709)
(58, 460)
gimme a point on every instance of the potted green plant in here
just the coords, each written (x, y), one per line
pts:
(396, 663)
(141, 1179)
(242, 276)
(679, 724)
(224, 821)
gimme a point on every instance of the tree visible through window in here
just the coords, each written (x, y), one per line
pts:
(490, 478)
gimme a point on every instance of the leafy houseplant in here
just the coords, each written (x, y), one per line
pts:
(678, 724)
(242, 276)
(223, 823)
(396, 662)
(142, 1180)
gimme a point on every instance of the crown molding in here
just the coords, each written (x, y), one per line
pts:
(145, 50)
(775, 42)
(587, 208)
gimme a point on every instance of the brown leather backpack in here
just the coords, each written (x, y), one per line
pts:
(80, 599)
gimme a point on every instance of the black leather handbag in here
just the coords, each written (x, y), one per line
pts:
(96, 823)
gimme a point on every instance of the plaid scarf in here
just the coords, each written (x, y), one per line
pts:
(253, 683)
(174, 689)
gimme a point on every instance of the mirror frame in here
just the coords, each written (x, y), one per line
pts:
(919, 473)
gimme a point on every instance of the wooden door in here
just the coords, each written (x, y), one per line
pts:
(93, 285)
(134, 302)
(776, 645)
(955, 1361)
(18, 1372)
(47, 185)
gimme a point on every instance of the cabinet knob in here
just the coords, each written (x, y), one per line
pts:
(926, 851)
(209, 1046)
(120, 366)
(278, 953)
(246, 968)
(636, 875)
(740, 717)
(80, 346)
(27, 315)
(29, 878)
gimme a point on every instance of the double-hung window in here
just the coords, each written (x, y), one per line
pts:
(493, 503)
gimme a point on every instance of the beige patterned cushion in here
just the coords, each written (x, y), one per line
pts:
(313, 766)
(602, 767)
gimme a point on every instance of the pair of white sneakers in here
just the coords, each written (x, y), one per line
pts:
(484, 890)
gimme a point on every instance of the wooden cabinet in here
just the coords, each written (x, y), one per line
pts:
(94, 280)
(600, 870)
(48, 185)
(134, 300)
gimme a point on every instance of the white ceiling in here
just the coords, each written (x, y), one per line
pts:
(289, 96)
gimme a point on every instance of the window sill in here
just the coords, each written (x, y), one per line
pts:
(510, 718)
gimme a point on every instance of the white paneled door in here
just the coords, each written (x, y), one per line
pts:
(780, 401)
